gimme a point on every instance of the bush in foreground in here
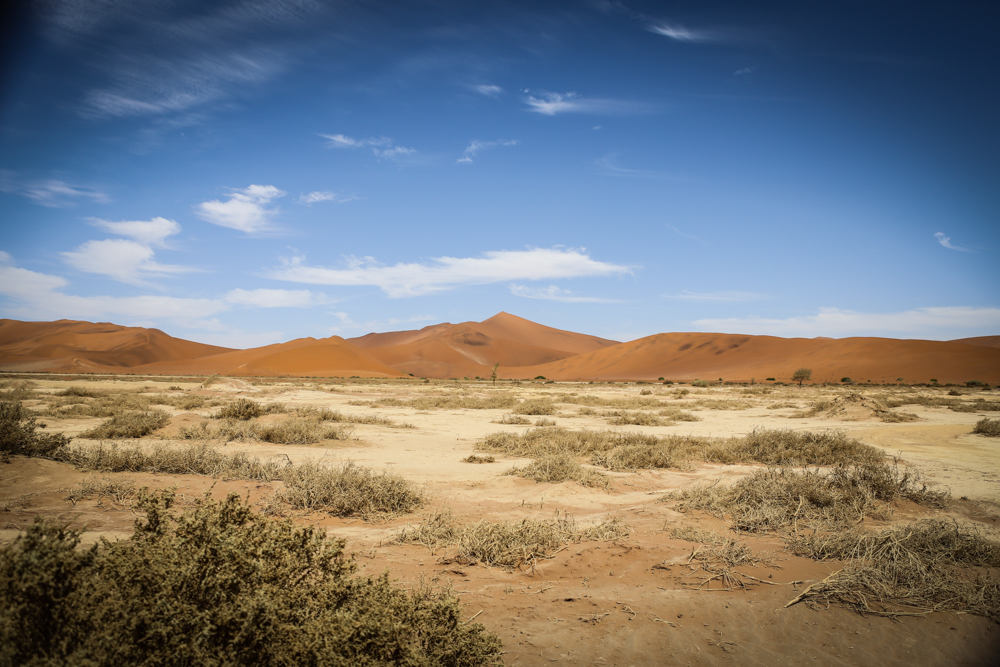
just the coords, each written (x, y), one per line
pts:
(219, 585)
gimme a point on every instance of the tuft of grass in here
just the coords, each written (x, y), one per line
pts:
(19, 436)
(159, 457)
(475, 458)
(128, 424)
(120, 491)
(535, 407)
(219, 585)
(210, 380)
(326, 414)
(987, 426)
(289, 432)
(512, 419)
(907, 570)
(542, 421)
(557, 468)
(242, 408)
(74, 390)
(18, 390)
(348, 489)
(627, 418)
(537, 442)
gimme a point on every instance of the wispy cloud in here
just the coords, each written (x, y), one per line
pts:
(550, 104)
(725, 295)
(931, 323)
(50, 192)
(489, 90)
(609, 166)
(679, 33)
(443, 273)
(553, 293)
(147, 232)
(123, 260)
(476, 146)
(275, 298)
(245, 210)
(324, 195)
(946, 242)
(382, 147)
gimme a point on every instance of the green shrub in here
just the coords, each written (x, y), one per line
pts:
(18, 436)
(846, 380)
(219, 585)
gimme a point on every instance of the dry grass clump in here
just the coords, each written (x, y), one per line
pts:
(128, 424)
(542, 421)
(326, 414)
(120, 491)
(628, 458)
(245, 409)
(461, 402)
(535, 443)
(854, 405)
(475, 458)
(953, 404)
(555, 468)
(535, 407)
(288, 432)
(720, 404)
(510, 545)
(18, 390)
(627, 418)
(159, 457)
(912, 569)
(512, 419)
(348, 489)
(772, 498)
(74, 390)
(986, 426)
(631, 403)
(211, 379)
(219, 585)
(19, 436)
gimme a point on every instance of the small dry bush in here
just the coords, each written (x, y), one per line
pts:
(720, 404)
(535, 407)
(210, 380)
(289, 432)
(245, 409)
(19, 436)
(555, 468)
(535, 443)
(219, 585)
(510, 545)
(326, 414)
(986, 426)
(512, 419)
(493, 402)
(159, 457)
(348, 489)
(475, 458)
(75, 390)
(545, 422)
(854, 405)
(128, 424)
(631, 403)
(18, 390)
(910, 569)
(627, 418)
(715, 548)
(954, 404)
(120, 491)
(773, 498)
(183, 401)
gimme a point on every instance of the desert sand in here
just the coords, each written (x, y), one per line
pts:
(638, 600)
(524, 350)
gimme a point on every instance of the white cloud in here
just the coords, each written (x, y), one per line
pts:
(147, 232)
(125, 261)
(382, 147)
(442, 273)
(679, 33)
(245, 210)
(946, 242)
(324, 195)
(553, 293)
(551, 104)
(942, 323)
(475, 146)
(725, 295)
(489, 90)
(51, 193)
(275, 298)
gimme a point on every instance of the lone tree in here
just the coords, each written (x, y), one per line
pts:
(493, 375)
(802, 375)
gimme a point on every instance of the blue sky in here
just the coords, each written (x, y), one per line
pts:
(248, 172)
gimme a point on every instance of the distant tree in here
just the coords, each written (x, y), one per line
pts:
(493, 375)
(802, 375)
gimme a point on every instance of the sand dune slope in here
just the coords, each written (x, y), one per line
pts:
(72, 346)
(982, 341)
(735, 357)
(303, 357)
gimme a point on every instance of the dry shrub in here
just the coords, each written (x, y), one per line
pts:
(348, 489)
(695, 534)
(18, 434)
(855, 405)
(545, 422)
(128, 424)
(535, 407)
(910, 569)
(18, 390)
(492, 402)
(474, 458)
(219, 585)
(289, 432)
(954, 404)
(159, 457)
(326, 414)
(241, 408)
(119, 491)
(631, 403)
(211, 379)
(638, 457)
(511, 545)
(773, 498)
(986, 426)
(555, 468)
(75, 390)
(627, 418)
(512, 419)
(720, 404)
(536, 442)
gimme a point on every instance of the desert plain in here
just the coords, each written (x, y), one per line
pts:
(646, 563)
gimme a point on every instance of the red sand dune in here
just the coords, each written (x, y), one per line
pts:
(735, 357)
(524, 349)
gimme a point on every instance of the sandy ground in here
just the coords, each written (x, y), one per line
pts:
(635, 601)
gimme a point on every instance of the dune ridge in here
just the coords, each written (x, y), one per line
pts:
(524, 350)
